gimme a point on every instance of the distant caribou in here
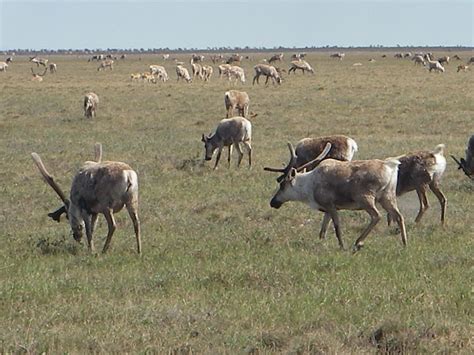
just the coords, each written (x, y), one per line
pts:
(275, 57)
(108, 63)
(53, 68)
(38, 77)
(39, 61)
(339, 56)
(91, 100)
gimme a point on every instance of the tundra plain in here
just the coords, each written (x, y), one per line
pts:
(222, 272)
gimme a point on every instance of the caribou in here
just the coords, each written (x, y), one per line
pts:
(267, 70)
(301, 65)
(229, 132)
(97, 57)
(341, 185)
(419, 171)
(91, 100)
(98, 187)
(234, 58)
(183, 73)
(339, 56)
(234, 99)
(39, 61)
(108, 63)
(53, 68)
(275, 57)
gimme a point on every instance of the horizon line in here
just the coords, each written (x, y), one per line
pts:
(229, 48)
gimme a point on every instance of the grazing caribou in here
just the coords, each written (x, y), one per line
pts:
(229, 132)
(267, 70)
(91, 101)
(301, 65)
(275, 57)
(39, 61)
(53, 68)
(339, 56)
(98, 187)
(108, 63)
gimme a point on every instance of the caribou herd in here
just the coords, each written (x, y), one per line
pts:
(229, 67)
(321, 171)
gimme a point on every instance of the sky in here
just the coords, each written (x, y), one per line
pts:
(201, 24)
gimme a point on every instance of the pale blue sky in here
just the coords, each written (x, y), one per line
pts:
(37, 24)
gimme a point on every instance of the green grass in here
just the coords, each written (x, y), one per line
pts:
(221, 271)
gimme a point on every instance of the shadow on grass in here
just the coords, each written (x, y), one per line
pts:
(50, 246)
(391, 338)
(189, 165)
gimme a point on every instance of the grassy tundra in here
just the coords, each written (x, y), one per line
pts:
(221, 271)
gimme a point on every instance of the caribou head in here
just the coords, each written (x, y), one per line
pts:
(289, 173)
(71, 211)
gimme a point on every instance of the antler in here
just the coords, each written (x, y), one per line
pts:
(34, 74)
(286, 169)
(48, 178)
(462, 167)
(318, 159)
(288, 166)
(98, 152)
(292, 162)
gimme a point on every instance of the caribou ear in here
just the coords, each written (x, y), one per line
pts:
(292, 174)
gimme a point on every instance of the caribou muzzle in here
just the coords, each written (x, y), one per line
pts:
(274, 203)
